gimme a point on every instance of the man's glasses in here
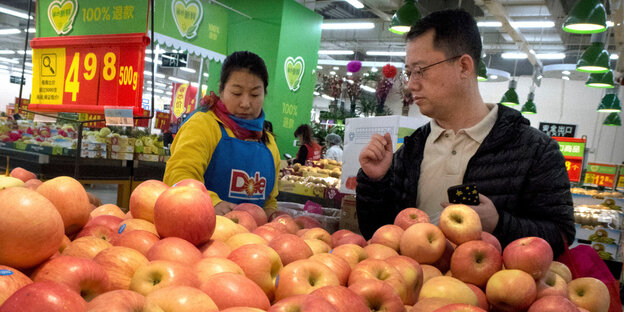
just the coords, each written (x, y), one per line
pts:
(419, 72)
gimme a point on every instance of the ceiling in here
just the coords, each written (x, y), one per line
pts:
(496, 40)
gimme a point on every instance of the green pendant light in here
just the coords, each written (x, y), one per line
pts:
(594, 60)
(405, 17)
(482, 74)
(613, 120)
(529, 107)
(610, 104)
(600, 80)
(586, 17)
(510, 98)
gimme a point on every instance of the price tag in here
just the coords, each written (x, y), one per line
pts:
(118, 116)
(40, 118)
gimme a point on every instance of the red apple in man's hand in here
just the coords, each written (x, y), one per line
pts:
(174, 249)
(120, 263)
(552, 285)
(301, 277)
(379, 296)
(552, 304)
(10, 281)
(460, 224)
(589, 293)
(412, 274)
(380, 270)
(143, 199)
(160, 274)
(342, 298)
(233, 290)
(45, 296)
(423, 242)
(389, 235)
(475, 261)
(255, 211)
(138, 240)
(243, 218)
(179, 298)
(529, 254)
(336, 264)
(117, 301)
(215, 248)
(84, 276)
(351, 253)
(409, 216)
(512, 290)
(290, 248)
(303, 303)
(261, 264)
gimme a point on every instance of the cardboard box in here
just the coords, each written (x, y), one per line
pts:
(348, 215)
(598, 235)
(122, 156)
(148, 157)
(122, 148)
(301, 189)
(358, 133)
(92, 154)
(93, 146)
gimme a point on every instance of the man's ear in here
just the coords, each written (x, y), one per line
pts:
(467, 66)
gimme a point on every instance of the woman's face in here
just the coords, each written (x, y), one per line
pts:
(243, 94)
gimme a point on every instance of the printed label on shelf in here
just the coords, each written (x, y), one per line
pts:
(116, 116)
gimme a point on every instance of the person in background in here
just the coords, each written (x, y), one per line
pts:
(518, 170)
(310, 149)
(167, 137)
(334, 151)
(224, 144)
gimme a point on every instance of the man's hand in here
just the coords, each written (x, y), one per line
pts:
(223, 207)
(376, 157)
(486, 211)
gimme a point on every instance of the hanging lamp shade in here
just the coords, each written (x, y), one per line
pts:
(600, 80)
(610, 104)
(482, 73)
(529, 107)
(405, 17)
(594, 60)
(510, 98)
(613, 119)
(586, 17)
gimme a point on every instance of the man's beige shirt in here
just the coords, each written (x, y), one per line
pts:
(445, 160)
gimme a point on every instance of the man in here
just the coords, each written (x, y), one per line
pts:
(519, 171)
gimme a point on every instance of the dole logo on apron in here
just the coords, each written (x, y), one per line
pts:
(242, 186)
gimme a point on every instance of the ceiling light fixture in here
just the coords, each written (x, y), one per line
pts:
(510, 98)
(529, 107)
(600, 80)
(175, 79)
(10, 31)
(610, 103)
(405, 17)
(356, 4)
(7, 52)
(482, 72)
(613, 119)
(335, 52)
(356, 25)
(188, 70)
(586, 17)
(15, 13)
(518, 24)
(514, 55)
(594, 60)
(386, 53)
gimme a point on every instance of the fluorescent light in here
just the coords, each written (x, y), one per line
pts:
(551, 56)
(149, 59)
(350, 74)
(149, 73)
(10, 31)
(364, 63)
(158, 91)
(32, 30)
(609, 24)
(336, 68)
(367, 89)
(29, 64)
(565, 72)
(8, 60)
(366, 75)
(327, 97)
(493, 77)
(29, 52)
(193, 84)
(519, 24)
(188, 70)
(565, 77)
(319, 67)
(316, 93)
(332, 72)
(532, 51)
(206, 75)
(15, 13)
(514, 55)
(7, 52)
(355, 3)
(4, 67)
(335, 52)
(168, 93)
(177, 79)
(386, 53)
(614, 56)
(374, 69)
(360, 25)
(489, 24)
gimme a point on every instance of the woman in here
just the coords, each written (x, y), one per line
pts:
(309, 150)
(334, 151)
(224, 144)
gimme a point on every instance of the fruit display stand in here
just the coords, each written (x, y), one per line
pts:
(317, 181)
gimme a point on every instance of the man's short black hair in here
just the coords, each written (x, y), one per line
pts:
(455, 33)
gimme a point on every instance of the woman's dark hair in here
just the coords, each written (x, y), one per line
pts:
(244, 60)
(455, 33)
(305, 132)
(267, 126)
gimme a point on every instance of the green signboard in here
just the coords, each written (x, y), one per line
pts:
(574, 149)
(90, 17)
(194, 22)
(601, 168)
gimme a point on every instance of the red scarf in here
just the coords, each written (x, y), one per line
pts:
(214, 103)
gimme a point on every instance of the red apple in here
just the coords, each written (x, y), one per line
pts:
(303, 303)
(529, 254)
(242, 239)
(242, 309)
(338, 265)
(290, 248)
(289, 222)
(278, 226)
(179, 298)
(317, 246)
(409, 216)
(389, 235)
(229, 290)
(342, 298)
(351, 253)
(423, 242)
(207, 267)
(562, 270)
(111, 222)
(352, 238)
(512, 290)
(98, 231)
(225, 228)
(243, 218)
(338, 235)
(185, 212)
(589, 293)
(215, 248)
(379, 270)
(379, 296)
(301, 277)
(138, 240)
(430, 304)
(64, 244)
(429, 272)
(137, 224)
(86, 247)
(460, 224)
(475, 262)
(32, 184)
(481, 298)
(444, 263)
(448, 287)
(460, 307)
(318, 233)
(552, 285)
(22, 174)
(160, 274)
(268, 232)
(84, 276)
(379, 251)
(489, 238)
(276, 214)
(255, 211)
(143, 199)
(261, 264)
(44, 296)
(174, 249)
(70, 199)
(120, 263)
(117, 301)
(192, 183)
(412, 274)
(306, 222)
(107, 210)
(31, 228)
(10, 281)
(553, 304)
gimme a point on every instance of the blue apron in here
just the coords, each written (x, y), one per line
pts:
(240, 171)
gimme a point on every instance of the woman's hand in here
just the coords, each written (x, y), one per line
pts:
(224, 207)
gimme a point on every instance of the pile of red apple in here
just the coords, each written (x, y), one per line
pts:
(171, 253)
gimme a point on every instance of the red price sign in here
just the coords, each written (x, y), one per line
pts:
(144, 122)
(162, 121)
(85, 73)
(86, 117)
(574, 167)
(599, 179)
